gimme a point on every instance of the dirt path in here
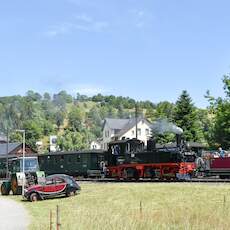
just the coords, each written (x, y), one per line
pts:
(12, 215)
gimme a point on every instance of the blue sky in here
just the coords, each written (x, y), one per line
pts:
(148, 50)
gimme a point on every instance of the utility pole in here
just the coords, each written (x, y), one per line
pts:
(136, 119)
(23, 160)
(7, 152)
(23, 157)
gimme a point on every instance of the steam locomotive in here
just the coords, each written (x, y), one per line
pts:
(127, 159)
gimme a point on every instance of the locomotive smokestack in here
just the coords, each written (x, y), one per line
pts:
(178, 140)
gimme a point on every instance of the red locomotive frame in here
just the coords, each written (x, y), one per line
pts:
(170, 171)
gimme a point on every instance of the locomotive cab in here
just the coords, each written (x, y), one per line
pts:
(122, 151)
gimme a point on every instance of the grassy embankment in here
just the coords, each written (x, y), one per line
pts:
(117, 206)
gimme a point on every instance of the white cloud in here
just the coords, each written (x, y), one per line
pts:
(63, 28)
(86, 89)
(84, 18)
(81, 22)
(141, 18)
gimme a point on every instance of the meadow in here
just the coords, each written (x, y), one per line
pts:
(142, 206)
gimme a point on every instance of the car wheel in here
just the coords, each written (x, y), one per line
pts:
(33, 197)
(70, 193)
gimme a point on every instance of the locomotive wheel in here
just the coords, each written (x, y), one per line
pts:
(17, 190)
(4, 190)
(136, 175)
(125, 174)
(33, 197)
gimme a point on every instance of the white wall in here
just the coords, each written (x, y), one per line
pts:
(95, 145)
(107, 136)
(143, 136)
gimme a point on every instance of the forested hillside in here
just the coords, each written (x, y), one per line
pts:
(78, 120)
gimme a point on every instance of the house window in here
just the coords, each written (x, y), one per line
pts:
(146, 132)
(107, 133)
(139, 132)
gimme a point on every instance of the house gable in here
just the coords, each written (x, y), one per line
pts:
(116, 129)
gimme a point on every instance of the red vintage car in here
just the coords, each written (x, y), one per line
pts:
(53, 186)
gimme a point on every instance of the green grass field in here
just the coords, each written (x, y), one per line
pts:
(117, 206)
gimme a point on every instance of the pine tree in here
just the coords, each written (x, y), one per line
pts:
(185, 116)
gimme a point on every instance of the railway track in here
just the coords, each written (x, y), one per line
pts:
(195, 180)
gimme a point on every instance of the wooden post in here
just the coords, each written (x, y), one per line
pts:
(224, 202)
(58, 218)
(51, 220)
(141, 207)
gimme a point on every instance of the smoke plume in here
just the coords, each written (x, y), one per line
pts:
(163, 126)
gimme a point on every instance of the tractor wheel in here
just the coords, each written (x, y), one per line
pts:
(17, 190)
(33, 197)
(4, 189)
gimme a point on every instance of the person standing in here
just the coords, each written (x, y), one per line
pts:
(221, 152)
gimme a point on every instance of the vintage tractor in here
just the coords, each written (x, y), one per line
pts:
(31, 175)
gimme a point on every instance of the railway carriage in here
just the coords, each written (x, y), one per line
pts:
(75, 163)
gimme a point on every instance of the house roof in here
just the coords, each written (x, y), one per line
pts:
(123, 125)
(116, 123)
(131, 124)
(11, 147)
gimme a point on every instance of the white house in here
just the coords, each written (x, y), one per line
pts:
(117, 129)
(95, 145)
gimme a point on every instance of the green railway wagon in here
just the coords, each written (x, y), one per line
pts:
(75, 163)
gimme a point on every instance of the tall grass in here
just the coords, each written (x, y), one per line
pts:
(138, 206)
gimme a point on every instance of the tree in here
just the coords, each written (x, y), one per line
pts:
(33, 96)
(76, 119)
(33, 132)
(221, 109)
(47, 96)
(62, 98)
(185, 117)
(164, 109)
(72, 141)
(222, 124)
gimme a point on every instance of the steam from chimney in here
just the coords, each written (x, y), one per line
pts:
(163, 126)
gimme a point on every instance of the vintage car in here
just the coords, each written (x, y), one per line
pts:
(54, 186)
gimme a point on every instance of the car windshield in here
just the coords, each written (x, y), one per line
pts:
(31, 164)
